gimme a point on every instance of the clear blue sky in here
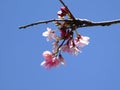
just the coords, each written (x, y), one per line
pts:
(96, 68)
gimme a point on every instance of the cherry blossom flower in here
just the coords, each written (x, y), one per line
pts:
(63, 12)
(82, 41)
(50, 61)
(47, 54)
(60, 14)
(65, 48)
(74, 50)
(70, 47)
(50, 34)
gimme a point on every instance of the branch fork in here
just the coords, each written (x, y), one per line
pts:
(78, 22)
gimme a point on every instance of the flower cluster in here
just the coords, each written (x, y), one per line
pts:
(51, 60)
(66, 41)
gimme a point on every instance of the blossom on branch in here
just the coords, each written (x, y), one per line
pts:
(50, 34)
(70, 47)
(64, 42)
(82, 41)
(51, 60)
(63, 12)
(69, 40)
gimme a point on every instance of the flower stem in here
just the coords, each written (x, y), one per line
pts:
(58, 49)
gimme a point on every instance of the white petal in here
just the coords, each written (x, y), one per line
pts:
(42, 64)
(48, 29)
(85, 38)
(45, 33)
(59, 12)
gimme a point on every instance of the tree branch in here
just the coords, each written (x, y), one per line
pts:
(103, 23)
(78, 22)
(42, 22)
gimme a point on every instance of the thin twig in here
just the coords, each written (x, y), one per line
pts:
(58, 49)
(42, 22)
(78, 22)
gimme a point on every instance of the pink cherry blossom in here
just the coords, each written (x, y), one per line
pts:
(47, 54)
(60, 15)
(50, 61)
(74, 50)
(50, 34)
(64, 10)
(65, 48)
(82, 41)
(70, 47)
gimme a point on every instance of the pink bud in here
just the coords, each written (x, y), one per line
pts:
(61, 14)
(63, 32)
(64, 10)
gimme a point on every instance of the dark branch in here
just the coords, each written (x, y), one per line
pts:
(41, 22)
(78, 22)
(103, 23)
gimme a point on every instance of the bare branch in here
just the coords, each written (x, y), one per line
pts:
(42, 22)
(78, 22)
(103, 23)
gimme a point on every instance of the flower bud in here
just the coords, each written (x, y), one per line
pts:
(64, 10)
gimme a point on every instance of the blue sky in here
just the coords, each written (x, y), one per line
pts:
(96, 68)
